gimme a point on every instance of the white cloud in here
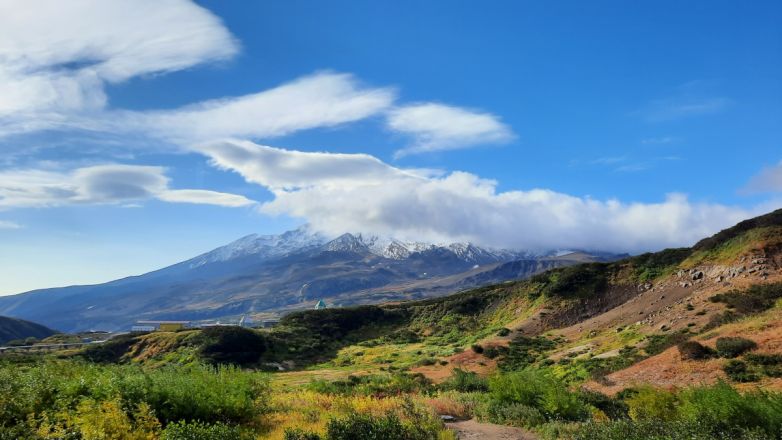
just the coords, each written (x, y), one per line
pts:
(324, 99)
(347, 192)
(100, 184)
(769, 179)
(437, 127)
(201, 196)
(56, 57)
(281, 169)
(6, 224)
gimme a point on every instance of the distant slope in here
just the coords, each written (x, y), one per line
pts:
(590, 321)
(279, 273)
(12, 328)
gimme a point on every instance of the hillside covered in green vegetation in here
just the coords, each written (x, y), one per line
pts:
(13, 329)
(572, 353)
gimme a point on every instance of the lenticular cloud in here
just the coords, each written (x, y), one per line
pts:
(358, 192)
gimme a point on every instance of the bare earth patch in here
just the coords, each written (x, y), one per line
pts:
(473, 430)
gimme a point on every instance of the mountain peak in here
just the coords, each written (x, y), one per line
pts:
(347, 243)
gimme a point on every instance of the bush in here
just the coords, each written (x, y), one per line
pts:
(367, 427)
(514, 414)
(493, 351)
(722, 408)
(731, 347)
(764, 359)
(503, 332)
(374, 384)
(692, 350)
(654, 430)
(656, 344)
(477, 348)
(540, 390)
(300, 434)
(523, 351)
(110, 351)
(648, 403)
(465, 381)
(613, 408)
(183, 430)
(737, 371)
(230, 344)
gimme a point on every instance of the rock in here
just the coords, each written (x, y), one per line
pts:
(697, 275)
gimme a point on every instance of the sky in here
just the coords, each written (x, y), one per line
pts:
(138, 133)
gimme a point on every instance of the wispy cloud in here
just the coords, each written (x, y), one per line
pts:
(438, 127)
(100, 184)
(691, 99)
(680, 108)
(769, 179)
(324, 99)
(7, 224)
(628, 164)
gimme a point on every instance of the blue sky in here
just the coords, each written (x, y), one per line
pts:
(604, 125)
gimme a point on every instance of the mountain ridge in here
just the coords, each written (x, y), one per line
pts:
(273, 273)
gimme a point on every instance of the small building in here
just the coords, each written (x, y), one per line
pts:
(162, 326)
(320, 305)
(143, 328)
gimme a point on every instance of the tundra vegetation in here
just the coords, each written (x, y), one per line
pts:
(360, 382)
(356, 373)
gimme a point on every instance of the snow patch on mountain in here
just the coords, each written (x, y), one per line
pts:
(304, 239)
(263, 246)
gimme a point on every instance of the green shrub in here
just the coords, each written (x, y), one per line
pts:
(300, 434)
(367, 427)
(656, 344)
(524, 351)
(231, 344)
(477, 348)
(737, 371)
(426, 362)
(654, 430)
(649, 403)
(540, 390)
(201, 431)
(374, 384)
(514, 414)
(493, 351)
(692, 350)
(110, 351)
(763, 359)
(723, 408)
(612, 407)
(465, 381)
(731, 347)
(503, 332)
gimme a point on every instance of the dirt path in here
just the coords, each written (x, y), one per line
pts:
(472, 430)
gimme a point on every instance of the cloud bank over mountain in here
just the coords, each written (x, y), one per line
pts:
(359, 192)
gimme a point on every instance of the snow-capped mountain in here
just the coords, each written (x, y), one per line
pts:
(304, 239)
(295, 269)
(264, 246)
